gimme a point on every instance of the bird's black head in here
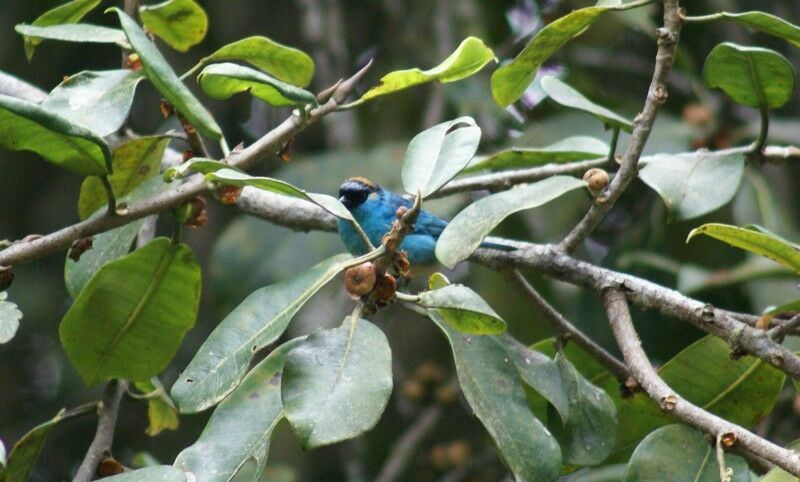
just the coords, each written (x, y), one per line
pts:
(354, 191)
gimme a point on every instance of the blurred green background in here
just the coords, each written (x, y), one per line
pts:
(611, 63)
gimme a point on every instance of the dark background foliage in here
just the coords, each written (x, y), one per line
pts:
(611, 63)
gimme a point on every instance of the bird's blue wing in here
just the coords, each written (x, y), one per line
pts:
(430, 224)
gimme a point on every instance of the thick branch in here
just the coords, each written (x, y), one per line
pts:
(104, 436)
(641, 369)
(642, 125)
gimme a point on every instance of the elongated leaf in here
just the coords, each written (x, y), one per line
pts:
(161, 412)
(695, 183)
(133, 162)
(464, 309)
(221, 81)
(777, 474)
(571, 149)
(70, 12)
(658, 452)
(765, 22)
(762, 243)
(466, 231)
(179, 23)
(157, 473)
(2, 455)
(491, 385)
(137, 309)
(164, 79)
(751, 76)
(97, 100)
(337, 383)
(238, 178)
(280, 61)
(81, 32)
(436, 155)
(470, 57)
(9, 318)
(30, 127)
(196, 164)
(251, 412)
(566, 95)
(511, 80)
(259, 320)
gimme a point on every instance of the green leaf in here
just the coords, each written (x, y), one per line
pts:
(763, 243)
(162, 76)
(251, 412)
(765, 22)
(751, 76)
(30, 127)
(97, 100)
(161, 412)
(436, 155)
(777, 474)
(695, 183)
(137, 310)
(158, 473)
(659, 451)
(259, 320)
(192, 166)
(9, 318)
(133, 162)
(491, 385)
(511, 80)
(571, 149)
(237, 178)
(280, 61)
(222, 81)
(179, 23)
(566, 95)
(466, 231)
(81, 32)
(107, 246)
(469, 58)
(337, 383)
(791, 307)
(464, 309)
(588, 420)
(70, 12)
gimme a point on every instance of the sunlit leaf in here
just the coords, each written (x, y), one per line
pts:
(490, 382)
(566, 95)
(238, 178)
(756, 241)
(133, 162)
(137, 310)
(464, 309)
(466, 231)
(9, 318)
(221, 81)
(280, 61)
(337, 383)
(751, 76)
(70, 12)
(470, 57)
(158, 473)
(259, 320)
(765, 22)
(251, 412)
(659, 451)
(161, 412)
(194, 165)
(695, 183)
(2, 455)
(571, 149)
(97, 100)
(166, 81)
(81, 32)
(179, 23)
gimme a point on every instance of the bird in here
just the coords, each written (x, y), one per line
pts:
(375, 208)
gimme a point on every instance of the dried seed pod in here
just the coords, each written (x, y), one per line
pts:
(401, 264)
(596, 178)
(385, 289)
(79, 247)
(228, 194)
(193, 213)
(458, 452)
(413, 389)
(166, 108)
(359, 280)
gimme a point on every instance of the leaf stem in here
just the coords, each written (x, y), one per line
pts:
(704, 18)
(374, 254)
(612, 151)
(194, 69)
(112, 200)
(177, 232)
(223, 145)
(406, 297)
(362, 234)
(758, 146)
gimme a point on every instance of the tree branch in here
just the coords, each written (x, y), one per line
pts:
(104, 436)
(404, 449)
(641, 369)
(642, 125)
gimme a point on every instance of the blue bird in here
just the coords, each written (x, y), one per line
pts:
(375, 209)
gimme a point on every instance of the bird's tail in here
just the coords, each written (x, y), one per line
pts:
(498, 244)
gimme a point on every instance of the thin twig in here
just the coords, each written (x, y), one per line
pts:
(111, 199)
(407, 445)
(643, 123)
(194, 140)
(628, 340)
(563, 327)
(778, 332)
(104, 436)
